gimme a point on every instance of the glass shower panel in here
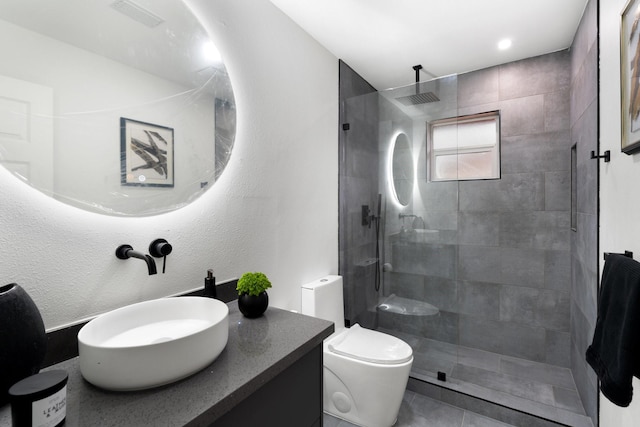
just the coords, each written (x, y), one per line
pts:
(359, 243)
(473, 266)
(418, 297)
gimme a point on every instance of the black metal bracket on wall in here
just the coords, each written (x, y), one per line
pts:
(606, 156)
(628, 254)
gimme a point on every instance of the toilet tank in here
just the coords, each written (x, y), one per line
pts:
(323, 299)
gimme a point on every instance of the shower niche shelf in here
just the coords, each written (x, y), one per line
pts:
(367, 262)
(407, 307)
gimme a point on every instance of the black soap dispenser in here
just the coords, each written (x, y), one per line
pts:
(210, 285)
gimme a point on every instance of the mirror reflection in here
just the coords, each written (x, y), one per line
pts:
(402, 172)
(115, 106)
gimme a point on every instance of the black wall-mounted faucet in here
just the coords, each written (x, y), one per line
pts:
(126, 252)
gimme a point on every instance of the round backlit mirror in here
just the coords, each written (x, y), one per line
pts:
(121, 107)
(402, 172)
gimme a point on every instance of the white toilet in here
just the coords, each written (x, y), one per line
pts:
(365, 371)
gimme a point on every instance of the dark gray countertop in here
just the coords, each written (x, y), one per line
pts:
(257, 351)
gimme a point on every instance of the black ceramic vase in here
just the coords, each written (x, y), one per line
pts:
(23, 341)
(253, 306)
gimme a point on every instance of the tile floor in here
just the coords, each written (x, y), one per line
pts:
(535, 388)
(421, 411)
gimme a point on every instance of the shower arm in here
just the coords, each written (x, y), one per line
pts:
(417, 69)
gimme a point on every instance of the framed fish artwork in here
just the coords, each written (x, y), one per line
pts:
(630, 76)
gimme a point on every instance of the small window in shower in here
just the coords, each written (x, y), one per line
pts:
(464, 148)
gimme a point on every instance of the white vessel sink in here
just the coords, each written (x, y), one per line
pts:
(152, 343)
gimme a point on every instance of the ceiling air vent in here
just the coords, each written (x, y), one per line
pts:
(137, 13)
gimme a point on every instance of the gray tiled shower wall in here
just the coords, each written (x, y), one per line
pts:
(584, 241)
(499, 267)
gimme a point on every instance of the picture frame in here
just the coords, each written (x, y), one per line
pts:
(630, 77)
(146, 154)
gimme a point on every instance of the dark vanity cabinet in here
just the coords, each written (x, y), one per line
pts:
(293, 398)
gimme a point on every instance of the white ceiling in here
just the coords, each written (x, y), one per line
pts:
(383, 39)
(172, 49)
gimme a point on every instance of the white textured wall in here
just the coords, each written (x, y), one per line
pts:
(619, 195)
(274, 208)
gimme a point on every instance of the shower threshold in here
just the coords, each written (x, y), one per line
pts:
(541, 390)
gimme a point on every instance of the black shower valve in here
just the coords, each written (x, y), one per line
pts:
(366, 216)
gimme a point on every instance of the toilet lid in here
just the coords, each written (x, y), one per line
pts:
(371, 346)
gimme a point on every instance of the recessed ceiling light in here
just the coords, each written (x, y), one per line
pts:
(504, 44)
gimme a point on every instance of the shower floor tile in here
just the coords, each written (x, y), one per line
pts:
(539, 389)
(421, 411)
(527, 389)
(527, 369)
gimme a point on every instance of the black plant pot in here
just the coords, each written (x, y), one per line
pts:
(253, 306)
(23, 341)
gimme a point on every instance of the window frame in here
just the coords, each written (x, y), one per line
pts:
(495, 148)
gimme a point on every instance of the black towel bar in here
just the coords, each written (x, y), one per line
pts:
(628, 254)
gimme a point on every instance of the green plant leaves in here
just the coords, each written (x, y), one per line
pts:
(253, 283)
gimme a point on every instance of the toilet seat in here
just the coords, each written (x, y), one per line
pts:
(371, 346)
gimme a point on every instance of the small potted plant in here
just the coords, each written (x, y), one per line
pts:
(252, 296)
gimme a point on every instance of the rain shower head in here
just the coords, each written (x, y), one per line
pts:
(418, 98)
